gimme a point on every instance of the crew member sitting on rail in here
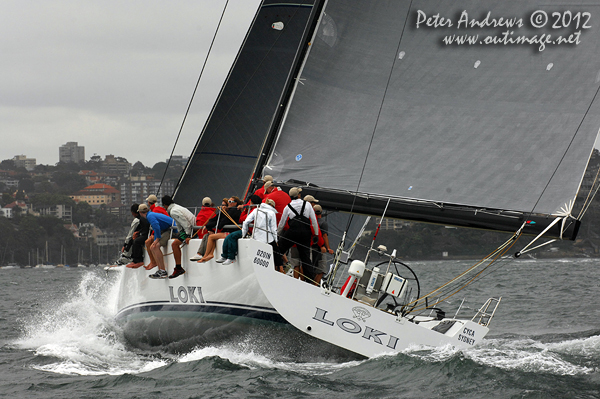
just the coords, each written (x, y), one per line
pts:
(185, 221)
(228, 216)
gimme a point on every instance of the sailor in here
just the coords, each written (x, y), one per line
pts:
(208, 211)
(152, 200)
(228, 216)
(161, 225)
(301, 217)
(139, 236)
(230, 243)
(125, 256)
(265, 229)
(261, 191)
(279, 196)
(185, 221)
(320, 248)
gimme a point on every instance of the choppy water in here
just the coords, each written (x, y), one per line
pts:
(58, 339)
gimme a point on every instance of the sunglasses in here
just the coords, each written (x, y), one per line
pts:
(230, 201)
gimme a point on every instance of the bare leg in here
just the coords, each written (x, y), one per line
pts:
(210, 246)
(158, 255)
(152, 263)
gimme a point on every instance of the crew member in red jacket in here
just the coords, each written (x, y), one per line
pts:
(280, 197)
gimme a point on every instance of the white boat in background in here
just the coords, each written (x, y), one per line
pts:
(374, 115)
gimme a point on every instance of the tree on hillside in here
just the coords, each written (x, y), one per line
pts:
(72, 167)
(69, 182)
(45, 187)
(48, 199)
(173, 173)
(106, 220)
(138, 169)
(27, 185)
(8, 164)
(83, 213)
(159, 169)
(7, 198)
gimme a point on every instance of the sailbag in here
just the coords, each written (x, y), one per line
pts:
(482, 135)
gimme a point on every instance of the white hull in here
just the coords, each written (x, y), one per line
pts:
(356, 326)
(211, 304)
(208, 303)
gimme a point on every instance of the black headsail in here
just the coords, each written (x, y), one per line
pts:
(413, 102)
(226, 152)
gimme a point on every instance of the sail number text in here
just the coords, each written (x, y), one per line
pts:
(262, 258)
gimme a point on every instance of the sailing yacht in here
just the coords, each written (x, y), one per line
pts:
(375, 108)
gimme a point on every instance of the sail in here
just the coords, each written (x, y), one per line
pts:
(225, 155)
(385, 109)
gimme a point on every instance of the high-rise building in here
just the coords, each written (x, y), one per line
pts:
(71, 152)
(138, 188)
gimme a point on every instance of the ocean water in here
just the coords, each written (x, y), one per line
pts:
(58, 339)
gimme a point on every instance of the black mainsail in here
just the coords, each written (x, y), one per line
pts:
(478, 135)
(227, 150)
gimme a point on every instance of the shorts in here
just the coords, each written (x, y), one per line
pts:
(164, 237)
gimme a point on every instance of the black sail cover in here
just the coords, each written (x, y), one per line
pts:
(388, 105)
(227, 150)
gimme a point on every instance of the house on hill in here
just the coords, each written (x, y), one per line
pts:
(97, 194)
(91, 176)
(10, 210)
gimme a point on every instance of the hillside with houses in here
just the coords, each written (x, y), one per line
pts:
(77, 212)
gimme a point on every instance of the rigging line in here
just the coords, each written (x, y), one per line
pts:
(566, 150)
(509, 243)
(224, 212)
(193, 94)
(497, 257)
(381, 106)
(497, 261)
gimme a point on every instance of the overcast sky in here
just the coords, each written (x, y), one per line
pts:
(114, 76)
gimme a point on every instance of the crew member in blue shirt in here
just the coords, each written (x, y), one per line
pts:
(161, 224)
